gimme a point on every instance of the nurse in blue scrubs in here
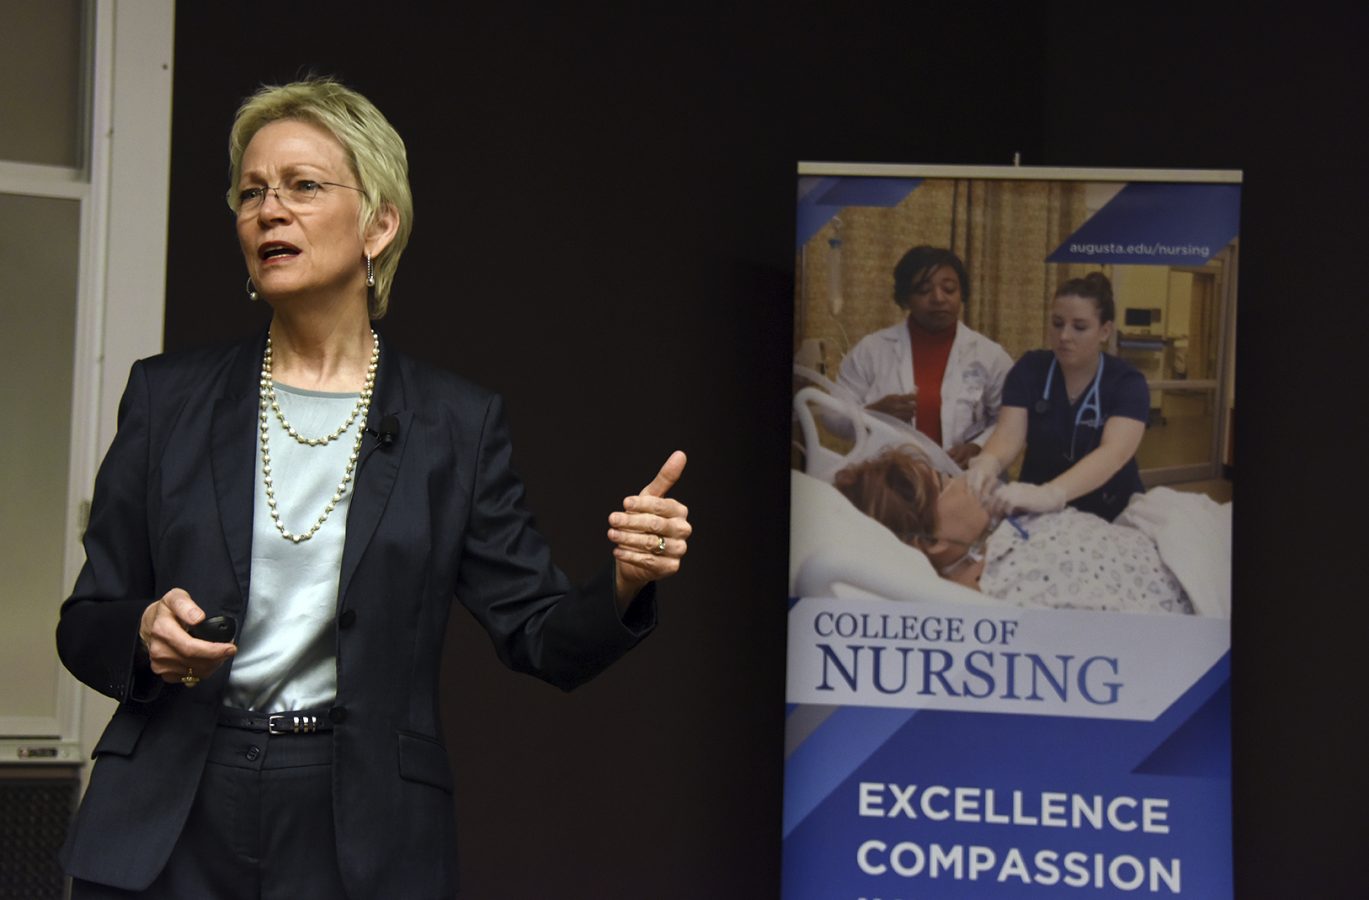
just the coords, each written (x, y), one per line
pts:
(1080, 412)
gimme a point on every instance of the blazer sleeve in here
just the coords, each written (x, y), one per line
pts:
(538, 622)
(97, 632)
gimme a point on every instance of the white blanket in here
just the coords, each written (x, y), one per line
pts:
(1193, 535)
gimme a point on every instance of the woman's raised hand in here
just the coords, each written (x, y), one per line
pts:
(651, 534)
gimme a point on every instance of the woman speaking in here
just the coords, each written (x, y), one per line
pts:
(1080, 412)
(277, 532)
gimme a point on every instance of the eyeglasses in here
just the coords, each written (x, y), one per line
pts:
(294, 195)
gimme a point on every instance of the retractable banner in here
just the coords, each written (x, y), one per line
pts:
(990, 696)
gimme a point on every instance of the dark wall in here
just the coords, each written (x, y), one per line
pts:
(603, 233)
(1277, 95)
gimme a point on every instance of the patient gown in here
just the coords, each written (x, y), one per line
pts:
(1075, 560)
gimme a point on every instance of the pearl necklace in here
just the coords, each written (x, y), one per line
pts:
(269, 403)
(269, 387)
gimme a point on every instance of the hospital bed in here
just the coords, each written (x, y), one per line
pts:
(835, 550)
(822, 404)
(838, 551)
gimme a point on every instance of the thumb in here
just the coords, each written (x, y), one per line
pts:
(665, 479)
(185, 609)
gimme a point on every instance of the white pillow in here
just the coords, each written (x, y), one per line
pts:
(821, 519)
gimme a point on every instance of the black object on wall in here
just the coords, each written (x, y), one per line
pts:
(604, 234)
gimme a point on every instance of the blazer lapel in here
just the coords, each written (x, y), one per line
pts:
(377, 468)
(233, 459)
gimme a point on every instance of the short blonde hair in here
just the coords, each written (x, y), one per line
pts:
(374, 150)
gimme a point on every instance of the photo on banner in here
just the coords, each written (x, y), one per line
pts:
(984, 704)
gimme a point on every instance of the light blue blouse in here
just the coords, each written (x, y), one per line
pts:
(286, 646)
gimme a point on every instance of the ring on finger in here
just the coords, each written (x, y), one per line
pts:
(660, 546)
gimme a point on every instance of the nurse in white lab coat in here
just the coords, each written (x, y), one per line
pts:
(932, 369)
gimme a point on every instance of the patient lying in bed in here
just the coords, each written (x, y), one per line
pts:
(1067, 559)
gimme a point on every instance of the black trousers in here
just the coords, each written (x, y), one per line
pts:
(261, 827)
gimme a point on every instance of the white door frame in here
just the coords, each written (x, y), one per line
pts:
(123, 191)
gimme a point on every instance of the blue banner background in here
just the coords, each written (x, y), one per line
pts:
(1155, 223)
(1183, 756)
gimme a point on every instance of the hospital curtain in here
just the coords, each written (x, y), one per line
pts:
(848, 293)
(1002, 230)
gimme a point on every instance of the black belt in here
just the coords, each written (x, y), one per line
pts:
(294, 722)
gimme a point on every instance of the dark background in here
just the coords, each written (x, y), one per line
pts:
(604, 233)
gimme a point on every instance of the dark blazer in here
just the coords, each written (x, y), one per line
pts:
(435, 514)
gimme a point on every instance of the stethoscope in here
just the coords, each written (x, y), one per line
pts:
(1090, 402)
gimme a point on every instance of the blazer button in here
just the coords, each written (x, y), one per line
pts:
(338, 714)
(347, 619)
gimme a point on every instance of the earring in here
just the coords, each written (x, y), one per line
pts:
(251, 291)
(370, 273)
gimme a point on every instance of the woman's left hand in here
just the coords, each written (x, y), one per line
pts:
(651, 534)
(1022, 497)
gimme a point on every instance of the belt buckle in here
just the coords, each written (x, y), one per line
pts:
(278, 723)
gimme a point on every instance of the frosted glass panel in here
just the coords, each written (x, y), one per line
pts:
(41, 73)
(39, 248)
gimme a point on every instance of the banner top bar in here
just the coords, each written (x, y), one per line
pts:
(1024, 173)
